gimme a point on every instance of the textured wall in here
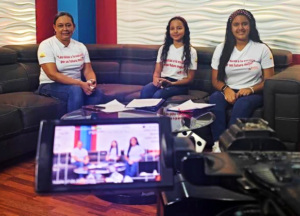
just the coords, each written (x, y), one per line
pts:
(144, 21)
(17, 22)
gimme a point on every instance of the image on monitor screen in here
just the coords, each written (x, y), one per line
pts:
(106, 153)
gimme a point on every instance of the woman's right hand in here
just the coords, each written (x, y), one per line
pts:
(86, 88)
(157, 82)
(230, 95)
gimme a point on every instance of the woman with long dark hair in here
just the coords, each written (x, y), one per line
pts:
(175, 65)
(135, 154)
(240, 66)
(113, 153)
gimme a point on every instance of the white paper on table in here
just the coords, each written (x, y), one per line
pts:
(113, 106)
(190, 105)
(139, 103)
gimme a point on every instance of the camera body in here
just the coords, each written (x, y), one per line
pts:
(253, 175)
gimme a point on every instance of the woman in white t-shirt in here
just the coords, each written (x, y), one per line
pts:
(135, 154)
(240, 66)
(113, 153)
(175, 65)
(64, 62)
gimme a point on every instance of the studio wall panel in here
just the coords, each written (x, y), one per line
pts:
(145, 21)
(17, 22)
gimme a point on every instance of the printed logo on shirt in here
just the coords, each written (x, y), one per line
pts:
(254, 68)
(240, 63)
(71, 59)
(175, 64)
(271, 57)
(42, 55)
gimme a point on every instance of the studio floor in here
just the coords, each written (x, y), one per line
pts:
(17, 197)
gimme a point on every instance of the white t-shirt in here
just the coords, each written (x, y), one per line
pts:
(80, 153)
(136, 153)
(69, 60)
(174, 66)
(244, 68)
(113, 154)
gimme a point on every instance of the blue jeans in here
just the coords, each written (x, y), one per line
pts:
(78, 164)
(242, 108)
(131, 170)
(73, 95)
(151, 91)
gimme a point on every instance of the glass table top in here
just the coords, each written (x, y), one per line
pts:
(180, 121)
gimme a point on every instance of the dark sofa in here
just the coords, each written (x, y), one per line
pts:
(121, 72)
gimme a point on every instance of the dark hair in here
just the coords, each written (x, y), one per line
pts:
(230, 40)
(116, 147)
(129, 148)
(186, 42)
(60, 14)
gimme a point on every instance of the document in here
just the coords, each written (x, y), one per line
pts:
(113, 106)
(189, 106)
(140, 103)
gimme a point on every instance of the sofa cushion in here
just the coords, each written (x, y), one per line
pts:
(282, 58)
(136, 72)
(202, 80)
(118, 91)
(140, 52)
(138, 63)
(204, 55)
(26, 53)
(10, 119)
(107, 71)
(7, 56)
(104, 51)
(27, 58)
(33, 108)
(13, 78)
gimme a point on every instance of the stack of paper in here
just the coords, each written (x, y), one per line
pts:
(139, 103)
(113, 106)
(190, 106)
(151, 104)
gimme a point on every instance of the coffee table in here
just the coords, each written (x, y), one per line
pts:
(182, 123)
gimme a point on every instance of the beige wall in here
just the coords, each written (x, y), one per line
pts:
(144, 21)
(17, 22)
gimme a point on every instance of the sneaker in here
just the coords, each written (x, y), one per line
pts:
(216, 147)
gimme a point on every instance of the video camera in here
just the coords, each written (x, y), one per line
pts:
(184, 182)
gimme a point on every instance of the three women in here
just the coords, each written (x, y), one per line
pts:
(239, 67)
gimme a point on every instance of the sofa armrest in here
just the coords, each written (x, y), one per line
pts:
(282, 105)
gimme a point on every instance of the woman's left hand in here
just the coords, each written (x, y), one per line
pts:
(244, 92)
(165, 83)
(86, 88)
(92, 83)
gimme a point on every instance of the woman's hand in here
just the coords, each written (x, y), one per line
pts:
(86, 88)
(229, 95)
(156, 82)
(244, 92)
(164, 83)
(92, 83)
(130, 162)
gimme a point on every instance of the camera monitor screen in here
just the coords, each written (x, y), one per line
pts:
(108, 155)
